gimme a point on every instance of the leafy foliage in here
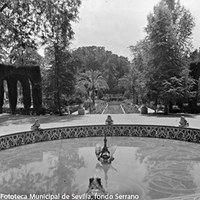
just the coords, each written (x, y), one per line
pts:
(129, 81)
(110, 65)
(59, 77)
(92, 81)
(162, 57)
(141, 70)
(22, 22)
(24, 57)
(18, 22)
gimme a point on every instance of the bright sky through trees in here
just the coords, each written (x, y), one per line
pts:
(117, 24)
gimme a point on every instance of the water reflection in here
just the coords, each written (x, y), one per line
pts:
(105, 168)
(170, 169)
(151, 168)
(45, 170)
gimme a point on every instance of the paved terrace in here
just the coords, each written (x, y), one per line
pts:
(12, 124)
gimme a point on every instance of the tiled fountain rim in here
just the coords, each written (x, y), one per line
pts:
(131, 130)
(134, 130)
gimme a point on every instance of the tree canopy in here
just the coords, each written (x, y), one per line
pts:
(95, 58)
(25, 25)
(163, 56)
(92, 81)
(29, 22)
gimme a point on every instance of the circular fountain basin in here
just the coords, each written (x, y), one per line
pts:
(148, 167)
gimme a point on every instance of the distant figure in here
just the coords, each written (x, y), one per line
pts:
(183, 122)
(36, 125)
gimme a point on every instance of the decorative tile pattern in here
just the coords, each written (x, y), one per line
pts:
(151, 131)
(167, 132)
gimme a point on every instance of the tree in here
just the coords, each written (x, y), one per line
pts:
(22, 22)
(24, 57)
(129, 81)
(57, 32)
(168, 31)
(110, 74)
(92, 81)
(111, 65)
(48, 22)
(62, 81)
(195, 55)
(18, 23)
(140, 67)
(91, 57)
(115, 68)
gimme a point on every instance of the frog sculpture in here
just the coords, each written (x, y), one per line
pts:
(183, 122)
(36, 125)
(95, 189)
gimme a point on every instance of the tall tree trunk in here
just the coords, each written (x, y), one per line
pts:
(1, 95)
(56, 49)
(166, 109)
(156, 103)
(58, 101)
(93, 95)
(134, 97)
(170, 107)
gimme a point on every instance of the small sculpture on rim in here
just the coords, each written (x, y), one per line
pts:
(183, 122)
(36, 125)
(109, 120)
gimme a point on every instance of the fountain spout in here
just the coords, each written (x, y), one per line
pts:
(103, 154)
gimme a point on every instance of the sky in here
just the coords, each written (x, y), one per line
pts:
(118, 24)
